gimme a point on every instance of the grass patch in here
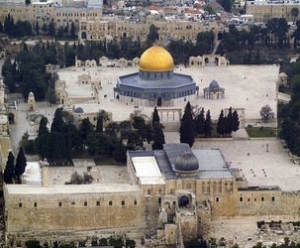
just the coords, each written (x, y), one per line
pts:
(261, 132)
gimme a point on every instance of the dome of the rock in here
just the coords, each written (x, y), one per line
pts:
(156, 59)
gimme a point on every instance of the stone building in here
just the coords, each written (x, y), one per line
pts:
(117, 28)
(262, 11)
(45, 12)
(174, 192)
(156, 83)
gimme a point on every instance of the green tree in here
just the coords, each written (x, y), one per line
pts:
(200, 120)
(37, 28)
(152, 36)
(295, 13)
(86, 127)
(21, 163)
(73, 30)
(120, 152)
(51, 96)
(58, 120)
(221, 125)
(158, 137)
(187, 127)
(9, 171)
(101, 119)
(207, 125)
(92, 143)
(235, 121)
(266, 113)
(51, 28)
(155, 117)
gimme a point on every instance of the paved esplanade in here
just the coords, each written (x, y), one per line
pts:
(249, 87)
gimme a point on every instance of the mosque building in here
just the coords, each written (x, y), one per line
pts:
(156, 83)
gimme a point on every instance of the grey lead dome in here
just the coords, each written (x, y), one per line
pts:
(186, 161)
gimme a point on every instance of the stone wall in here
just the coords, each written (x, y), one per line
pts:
(73, 212)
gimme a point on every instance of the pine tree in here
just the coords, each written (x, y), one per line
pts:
(221, 125)
(158, 137)
(207, 125)
(187, 127)
(9, 172)
(235, 121)
(21, 163)
(155, 117)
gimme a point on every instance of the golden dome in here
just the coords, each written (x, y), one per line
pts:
(156, 59)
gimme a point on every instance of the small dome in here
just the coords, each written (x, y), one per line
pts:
(214, 85)
(156, 59)
(187, 161)
(78, 110)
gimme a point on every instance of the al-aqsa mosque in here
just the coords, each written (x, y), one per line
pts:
(156, 83)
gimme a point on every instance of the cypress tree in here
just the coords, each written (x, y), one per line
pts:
(187, 127)
(21, 163)
(57, 121)
(235, 121)
(9, 172)
(200, 120)
(207, 125)
(155, 117)
(158, 137)
(229, 122)
(221, 125)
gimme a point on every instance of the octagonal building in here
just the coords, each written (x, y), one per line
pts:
(156, 83)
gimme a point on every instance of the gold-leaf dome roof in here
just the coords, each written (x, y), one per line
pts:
(156, 59)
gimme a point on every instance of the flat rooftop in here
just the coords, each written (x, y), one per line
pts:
(147, 170)
(249, 87)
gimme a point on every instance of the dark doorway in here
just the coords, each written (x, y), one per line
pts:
(159, 101)
(184, 201)
(11, 118)
(83, 35)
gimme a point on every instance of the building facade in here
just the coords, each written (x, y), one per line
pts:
(177, 190)
(262, 11)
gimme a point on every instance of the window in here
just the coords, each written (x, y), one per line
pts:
(241, 199)
(135, 202)
(20, 205)
(59, 204)
(85, 203)
(123, 203)
(262, 199)
(248, 199)
(159, 200)
(217, 199)
(149, 191)
(110, 203)
(273, 198)
(98, 203)
(35, 204)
